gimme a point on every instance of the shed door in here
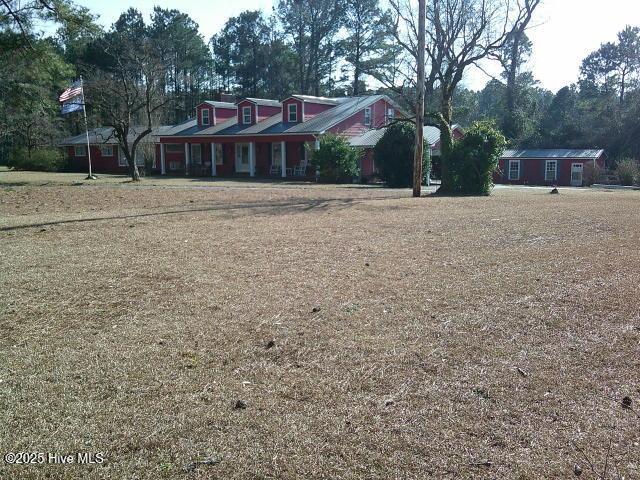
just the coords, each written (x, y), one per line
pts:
(576, 174)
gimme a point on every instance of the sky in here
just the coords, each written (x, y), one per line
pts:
(563, 31)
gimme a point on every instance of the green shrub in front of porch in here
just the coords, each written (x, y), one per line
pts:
(393, 155)
(336, 160)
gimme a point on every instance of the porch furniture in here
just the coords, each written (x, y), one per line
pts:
(275, 169)
(300, 170)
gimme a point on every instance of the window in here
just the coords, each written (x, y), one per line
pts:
(293, 112)
(367, 117)
(219, 154)
(550, 170)
(205, 116)
(107, 151)
(514, 169)
(122, 161)
(80, 151)
(196, 154)
(391, 114)
(173, 165)
(246, 115)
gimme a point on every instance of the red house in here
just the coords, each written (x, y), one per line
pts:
(547, 167)
(266, 137)
(106, 156)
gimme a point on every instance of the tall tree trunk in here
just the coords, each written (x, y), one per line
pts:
(446, 141)
(417, 159)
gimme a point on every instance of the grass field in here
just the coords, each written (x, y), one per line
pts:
(369, 334)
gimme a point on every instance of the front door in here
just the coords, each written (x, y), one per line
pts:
(576, 174)
(242, 157)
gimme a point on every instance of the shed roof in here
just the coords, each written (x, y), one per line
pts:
(372, 137)
(552, 154)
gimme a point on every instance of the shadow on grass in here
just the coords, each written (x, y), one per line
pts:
(255, 208)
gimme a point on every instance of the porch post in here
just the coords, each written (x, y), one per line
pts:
(283, 163)
(163, 170)
(186, 158)
(213, 160)
(252, 159)
(317, 144)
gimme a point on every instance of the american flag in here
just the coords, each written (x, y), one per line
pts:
(73, 91)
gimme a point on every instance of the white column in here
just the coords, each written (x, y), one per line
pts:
(283, 162)
(252, 159)
(187, 152)
(213, 160)
(163, 169)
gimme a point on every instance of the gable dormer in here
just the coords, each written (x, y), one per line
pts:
(254, 110)
(210, 113)
(300, 108)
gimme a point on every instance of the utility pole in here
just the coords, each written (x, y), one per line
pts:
(417, 160)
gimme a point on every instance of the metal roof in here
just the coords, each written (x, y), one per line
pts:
(221, 104)
(322, 100)
(559, 153)
(369, 140)
(219, 127)
(261, 101)
(372, 137)
(104, 136)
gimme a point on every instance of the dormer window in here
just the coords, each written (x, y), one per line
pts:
(246, 115)
(205, 116)
(367, 117)
(293, 113)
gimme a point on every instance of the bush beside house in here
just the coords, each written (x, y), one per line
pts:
(628, 172)
(394, 154)
(474, 158)
(336, 160)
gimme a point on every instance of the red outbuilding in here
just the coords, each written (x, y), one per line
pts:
(564, 167)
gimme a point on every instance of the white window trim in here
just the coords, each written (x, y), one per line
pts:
(295, 112)
(515, 162)
(391, 114)
(244, 115)
(83, 148)
(546, 170)
(367, 114)
(202, 112)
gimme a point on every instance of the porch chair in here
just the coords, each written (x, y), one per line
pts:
(300, 170)
(275, 169)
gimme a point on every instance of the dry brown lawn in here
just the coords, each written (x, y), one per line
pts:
(434, 338)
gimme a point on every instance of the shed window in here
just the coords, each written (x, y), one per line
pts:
(80, 151)
(205, 116)
(246, 115)
(367, 116)
(293, 112)
(107, 151)
(550, 170)
(514, 169)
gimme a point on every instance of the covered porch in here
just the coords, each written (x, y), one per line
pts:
(227, 157)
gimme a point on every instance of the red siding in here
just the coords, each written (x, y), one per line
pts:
(99, 164)
(532, 171)
(243, 104)
(285, 109)
(223, 114)
(354, 125)
(212, 114)
(313, 109)
(265, 112)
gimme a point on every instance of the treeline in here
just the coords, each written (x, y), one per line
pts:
(318, 47)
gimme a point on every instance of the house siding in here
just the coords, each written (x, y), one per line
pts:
(532, 171)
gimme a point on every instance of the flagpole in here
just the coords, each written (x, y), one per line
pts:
(86, 128)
